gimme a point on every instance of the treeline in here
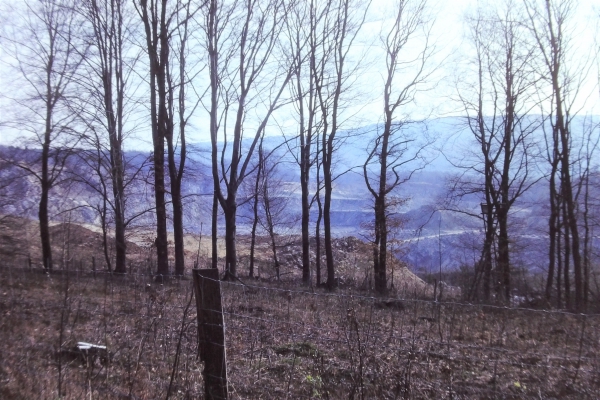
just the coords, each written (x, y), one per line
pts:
(91, 77)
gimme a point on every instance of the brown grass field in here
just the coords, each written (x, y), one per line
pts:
(283, 341)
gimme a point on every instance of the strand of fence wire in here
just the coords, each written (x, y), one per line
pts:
(151, 281)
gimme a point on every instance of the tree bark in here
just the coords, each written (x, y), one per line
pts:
(230, 211)
(255, 201)
(214, 233)
(45, 183)
(175, 177)
(44, 220)
(318, 227)
(329, 261)
(552, 234)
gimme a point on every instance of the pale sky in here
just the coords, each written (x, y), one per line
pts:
(447, 35)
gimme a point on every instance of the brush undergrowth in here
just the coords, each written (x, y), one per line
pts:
(283, 341)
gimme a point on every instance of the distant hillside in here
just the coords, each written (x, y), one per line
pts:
(429, 235)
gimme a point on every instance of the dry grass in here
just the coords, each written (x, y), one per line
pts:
(45, 316)
(283, 340)
(283, 343)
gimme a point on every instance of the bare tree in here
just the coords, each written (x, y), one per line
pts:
(549, 25)
(180, 76)
(110, 68)
(94, 170)
(317, 199)
(260, 198)
(341, 25)
(310, 30)
(275, 204)
(255, 191)
(255, 206)
(585, 166)
(241, 39)
(394, 149)
(305, 41)
(46, 53)
(498, 107)
(156, 17)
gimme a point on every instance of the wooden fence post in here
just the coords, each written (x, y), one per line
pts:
(211, 332)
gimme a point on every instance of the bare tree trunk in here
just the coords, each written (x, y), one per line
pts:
(254, 34)
(109, 29)
(504, 205)
(586, 249)
(487, 259)
(559, 257)
(330, 264)
(591, 145)
(120, 241)
(304, 179)
(176, 175)
(318, 248)
(154, 18)
(570, 219)
(270, 225)
(116, 128)
(47, 55)
(380, 244)
(255, 202)
(254, 226)
(212, 33)
(176, 169)
(301, 38)
(575, 244)
(45, 183)
(43, 217)
(548, 22)
(230, 211)
(104, 225)
(567, 254)
(318, 224)
(503, 256)
(490, 198)
(552, 233)
(214, 232)
(161, 242)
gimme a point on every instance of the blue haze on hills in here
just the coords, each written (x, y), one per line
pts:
(430, 236)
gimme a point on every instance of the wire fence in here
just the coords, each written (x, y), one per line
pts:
(282, 341)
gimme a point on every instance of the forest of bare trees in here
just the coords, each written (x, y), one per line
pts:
(89, 82)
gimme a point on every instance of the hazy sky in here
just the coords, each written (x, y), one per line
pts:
(447, 35)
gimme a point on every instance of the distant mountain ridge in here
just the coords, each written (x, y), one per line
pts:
(430, 235)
